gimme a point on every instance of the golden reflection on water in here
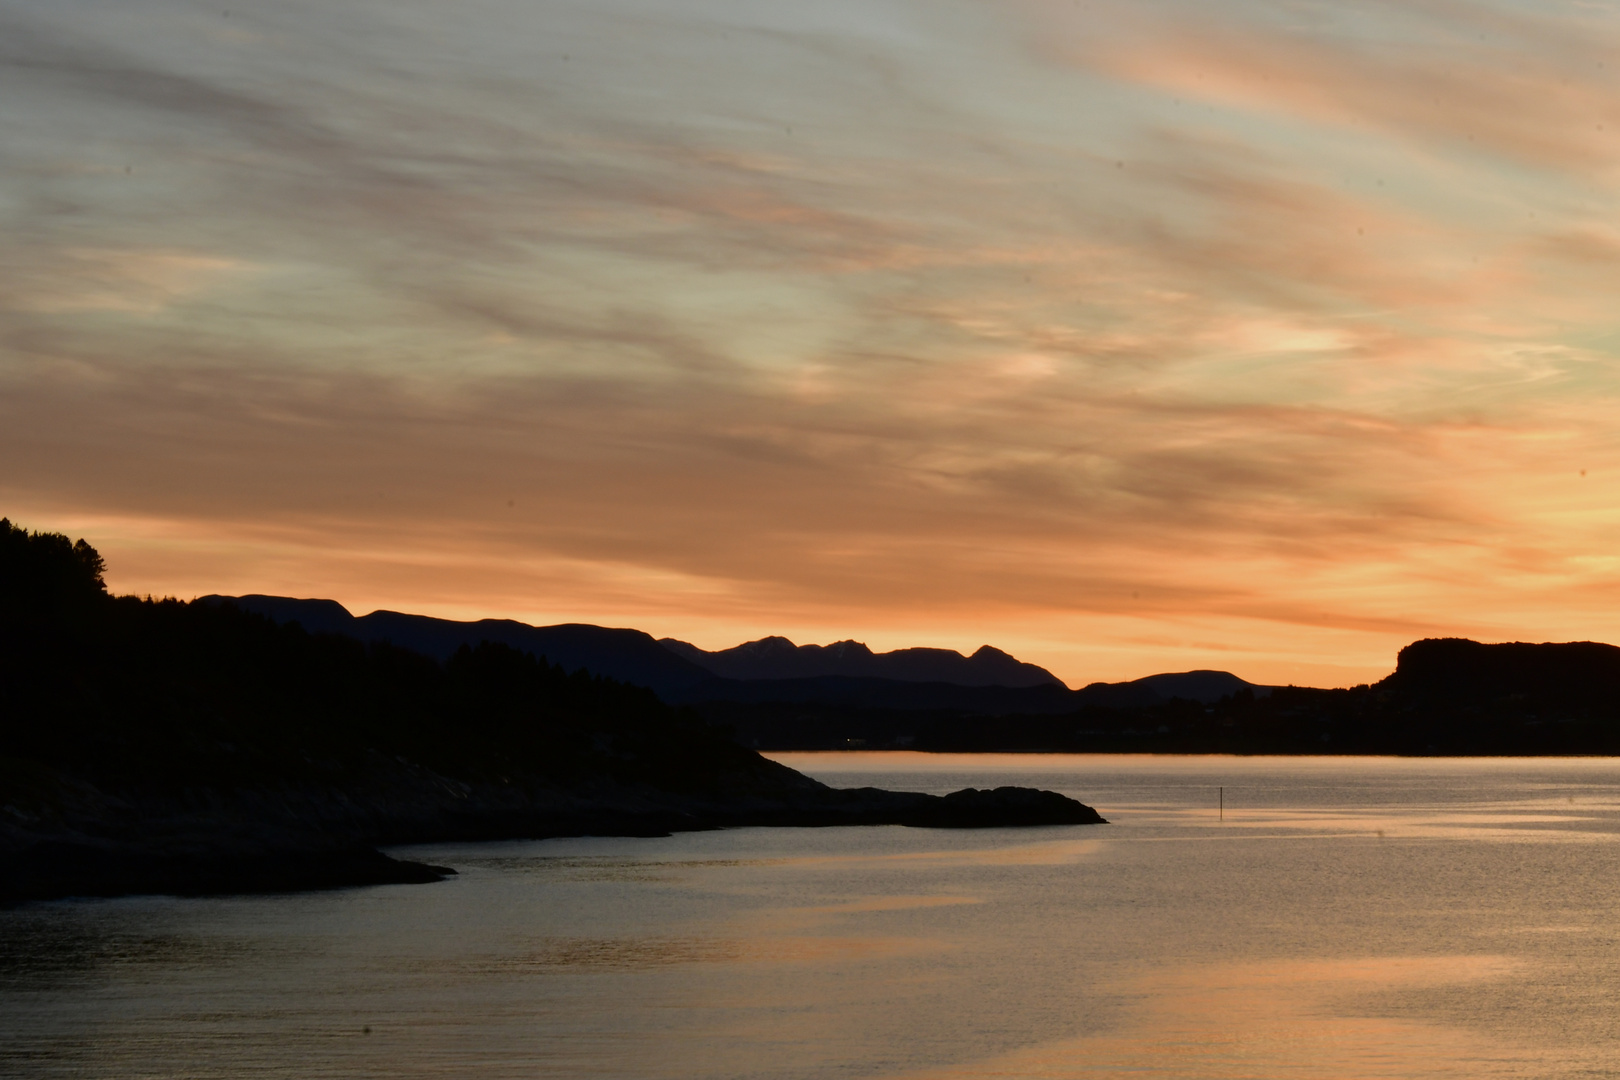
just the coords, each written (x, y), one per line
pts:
(600, 868)
(1473, 938)
(1282, 1020)
(897, 903)
(1451, 823)
(1044, 853)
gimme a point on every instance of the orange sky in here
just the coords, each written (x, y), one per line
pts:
(1128, 337)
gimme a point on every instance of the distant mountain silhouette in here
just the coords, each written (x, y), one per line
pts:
(989, 682)
(627, 655)
(779, 658)
(1042, 699)
(1447, 696)
(1202, 686)
(681, 672)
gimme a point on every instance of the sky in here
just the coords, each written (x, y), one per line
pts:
(1127, 337)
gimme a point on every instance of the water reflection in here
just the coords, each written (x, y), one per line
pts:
(1038, 853)
(1294, 1019)
(1473, 937)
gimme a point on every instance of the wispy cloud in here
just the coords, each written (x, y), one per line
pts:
(1117, 334)
(1535, 84)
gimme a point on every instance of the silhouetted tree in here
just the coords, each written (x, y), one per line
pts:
(46, 575)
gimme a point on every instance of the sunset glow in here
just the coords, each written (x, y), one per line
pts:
(1128, 337)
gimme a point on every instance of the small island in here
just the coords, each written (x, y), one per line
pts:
(158, 746)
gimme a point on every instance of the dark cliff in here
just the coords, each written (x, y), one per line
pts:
(1576, 676)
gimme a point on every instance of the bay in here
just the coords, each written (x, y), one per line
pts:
(1349, 917)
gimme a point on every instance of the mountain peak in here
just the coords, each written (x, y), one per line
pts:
(779, 658)
(845, 649)
(767, 646)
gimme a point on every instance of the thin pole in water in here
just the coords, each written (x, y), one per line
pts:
(1222, 792)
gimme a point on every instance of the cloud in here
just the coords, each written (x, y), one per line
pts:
(1539, 88)
(748, 321)
(92, 279)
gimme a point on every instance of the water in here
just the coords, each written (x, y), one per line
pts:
(1349, 918)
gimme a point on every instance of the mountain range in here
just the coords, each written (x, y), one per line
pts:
(779, 658)
(845, 674)
(1446, 696)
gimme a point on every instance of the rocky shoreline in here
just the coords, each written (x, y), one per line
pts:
(79, 841)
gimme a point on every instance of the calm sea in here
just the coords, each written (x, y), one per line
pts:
(1350, 917)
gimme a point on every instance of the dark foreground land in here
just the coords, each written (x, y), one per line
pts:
(196, 748)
